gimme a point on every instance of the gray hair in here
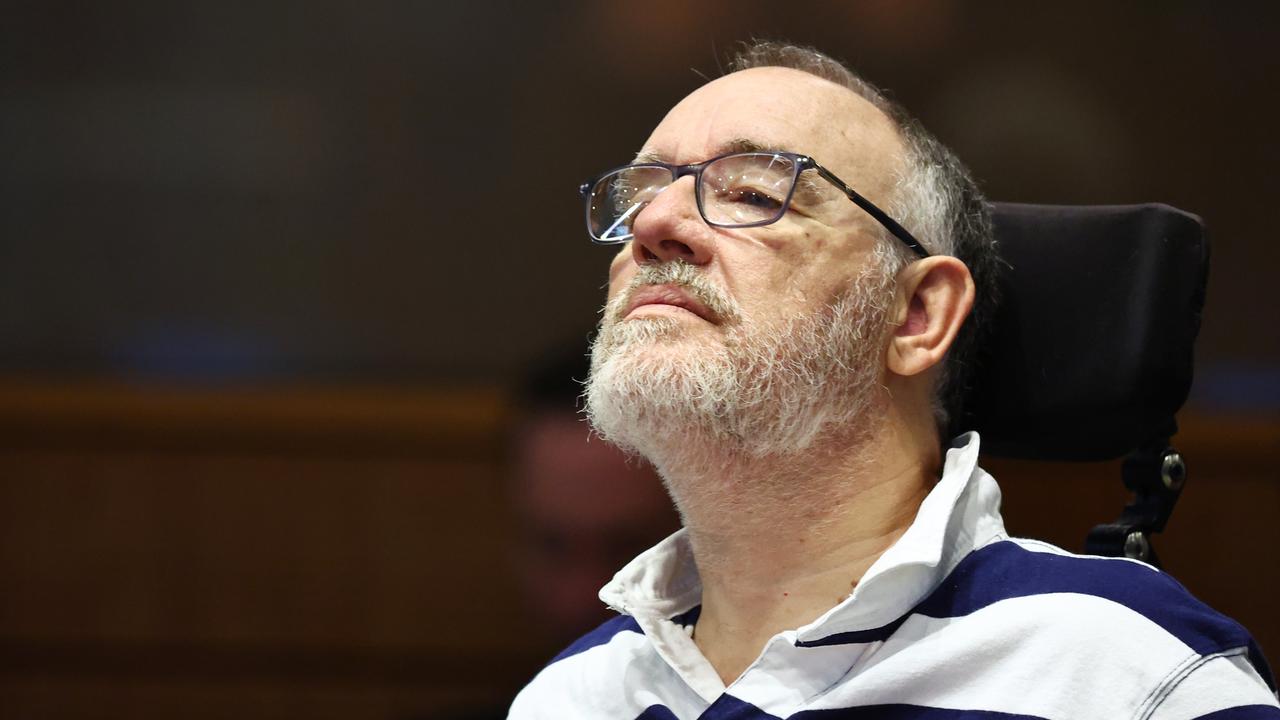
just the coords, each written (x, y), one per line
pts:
(935, 198)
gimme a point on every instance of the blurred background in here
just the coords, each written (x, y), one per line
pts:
(282, 285)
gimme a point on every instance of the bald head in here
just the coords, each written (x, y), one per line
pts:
(784, 108)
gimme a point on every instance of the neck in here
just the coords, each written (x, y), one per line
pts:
(780, 540)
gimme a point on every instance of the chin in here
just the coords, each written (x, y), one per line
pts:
(641, 332)
(668, 344)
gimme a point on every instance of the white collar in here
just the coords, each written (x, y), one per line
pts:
(960, 514)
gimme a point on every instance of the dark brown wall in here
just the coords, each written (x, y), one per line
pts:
(258, 554)
(343, 552)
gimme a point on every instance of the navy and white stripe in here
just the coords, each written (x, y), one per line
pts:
(955, 621)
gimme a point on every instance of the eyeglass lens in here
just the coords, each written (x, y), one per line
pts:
(746, 189)
(735, 191)
(617, 198)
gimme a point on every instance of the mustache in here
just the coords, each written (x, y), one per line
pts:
(686, 277)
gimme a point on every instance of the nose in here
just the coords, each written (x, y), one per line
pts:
(671, 228)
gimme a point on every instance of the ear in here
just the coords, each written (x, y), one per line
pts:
(934, 297)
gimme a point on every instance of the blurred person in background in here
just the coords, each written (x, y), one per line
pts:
(805, 276)
(583, 508)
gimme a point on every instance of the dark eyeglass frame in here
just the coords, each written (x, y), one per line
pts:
(800, 164)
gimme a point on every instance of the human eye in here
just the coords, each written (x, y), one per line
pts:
(755, 198)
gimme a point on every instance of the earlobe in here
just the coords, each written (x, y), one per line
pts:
(935, 297)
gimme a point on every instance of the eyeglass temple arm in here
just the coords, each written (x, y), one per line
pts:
(889, 223)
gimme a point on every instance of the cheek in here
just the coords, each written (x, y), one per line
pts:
(817, 269)
(800, 267)
(621, 270)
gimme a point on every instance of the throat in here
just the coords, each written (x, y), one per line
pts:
(777, 545)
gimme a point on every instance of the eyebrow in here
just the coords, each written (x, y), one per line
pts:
(736, 145)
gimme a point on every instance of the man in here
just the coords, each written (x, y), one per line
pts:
(787, 354)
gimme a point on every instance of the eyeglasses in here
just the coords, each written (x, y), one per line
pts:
(738, 190)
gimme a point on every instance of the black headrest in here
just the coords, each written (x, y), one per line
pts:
(1091, 348)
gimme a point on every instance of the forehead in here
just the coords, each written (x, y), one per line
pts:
(783, 109)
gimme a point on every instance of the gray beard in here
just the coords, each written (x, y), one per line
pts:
(764, 390)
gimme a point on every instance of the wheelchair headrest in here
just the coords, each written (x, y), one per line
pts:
(1090, 353)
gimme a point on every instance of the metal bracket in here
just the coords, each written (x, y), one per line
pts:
(1155, 474)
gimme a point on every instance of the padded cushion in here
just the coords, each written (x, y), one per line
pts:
(1091, 352)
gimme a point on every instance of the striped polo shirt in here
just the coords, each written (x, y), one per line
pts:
(955, 620)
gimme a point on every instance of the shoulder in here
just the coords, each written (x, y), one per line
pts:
(1124, 592)
(1222, 687)
(602, 635)
(1080, 636)
(588, 667)
(1099, 615)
